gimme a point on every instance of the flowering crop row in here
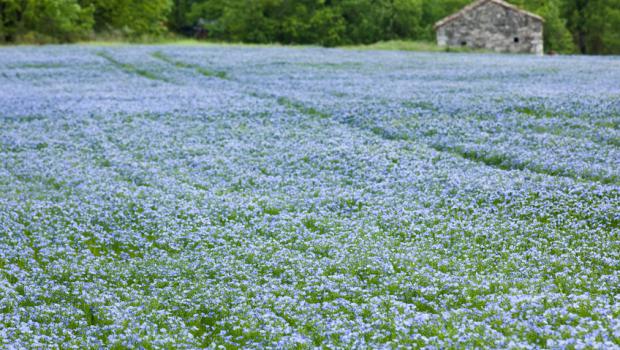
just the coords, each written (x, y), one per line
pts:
(192, 197)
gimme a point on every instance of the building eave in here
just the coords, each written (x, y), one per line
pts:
(478, 3)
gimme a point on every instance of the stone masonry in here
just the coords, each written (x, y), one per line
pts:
(492, 25)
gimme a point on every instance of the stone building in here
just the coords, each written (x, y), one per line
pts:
(492, 25)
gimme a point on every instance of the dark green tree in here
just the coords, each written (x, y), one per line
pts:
(585, 26)
(602, 27)
(594, 24)
(131, 18)
(44, 20)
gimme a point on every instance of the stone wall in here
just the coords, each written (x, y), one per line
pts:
(492, 26)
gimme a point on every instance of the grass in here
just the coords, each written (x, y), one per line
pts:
(390, 45)
(206, 72)
(408, 45)
(131, 69)
(175, 41)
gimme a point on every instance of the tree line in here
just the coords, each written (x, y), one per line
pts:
(571, 26)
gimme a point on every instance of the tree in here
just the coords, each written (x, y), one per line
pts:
(406, 18)
(586, 26)
(595, 25)
(602, 27)
(327, 27)
(44, 20)
(178, 20)
(557, 37)
(131, 18)
(574, 12)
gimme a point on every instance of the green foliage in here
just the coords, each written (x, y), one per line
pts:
(179, 16)
(44, 20)
(308, 21)
(339, 22)
(586, 26)
(70, 20)
(327, 27)
(594, 24)
(602, 26)
(131, 18)
(556, 35)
